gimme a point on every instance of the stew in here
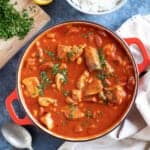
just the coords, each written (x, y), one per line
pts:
(77, 80)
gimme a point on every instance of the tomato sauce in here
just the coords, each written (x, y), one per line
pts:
(77, 81)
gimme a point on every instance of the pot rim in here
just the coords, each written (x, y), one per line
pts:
(114, 125)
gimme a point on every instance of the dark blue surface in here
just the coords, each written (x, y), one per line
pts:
(60, 11)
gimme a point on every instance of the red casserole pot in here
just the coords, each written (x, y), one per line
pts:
(30, 120)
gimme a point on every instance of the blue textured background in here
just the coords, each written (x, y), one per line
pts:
(60, 11)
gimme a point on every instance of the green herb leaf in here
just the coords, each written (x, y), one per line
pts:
(66, 93)
(55, 69)
(103, 97)
(70, 115)
(101, 76)
(72, 107)
(69, 55)
(72, 110)
(51, 54)
(64, 73)
(105, 101)
(44, 81)
(44, 77)
(41, 89)
(88, 114)
(13, 23)
(102, 60)
(102, 57)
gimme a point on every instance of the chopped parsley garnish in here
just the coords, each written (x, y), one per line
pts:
(44, 77)
(102, 60)
(86, 35)
(72, 109)
(66, 93)
(103, 97)
(51, 55)
(89, 114)
(56, 70)
(44, 81)
(41, 89)
(70, 115)
(105, 101)
(64, 73)
(12, 22)
(102, 57)
(101, 76)
(69, 55)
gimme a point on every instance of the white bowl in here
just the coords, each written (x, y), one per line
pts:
(119, 5)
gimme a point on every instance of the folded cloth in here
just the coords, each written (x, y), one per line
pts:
(134, 132)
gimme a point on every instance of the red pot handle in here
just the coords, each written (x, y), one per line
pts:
(9, 106)
(146, 57)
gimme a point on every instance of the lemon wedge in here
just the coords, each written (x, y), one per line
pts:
(43, 2)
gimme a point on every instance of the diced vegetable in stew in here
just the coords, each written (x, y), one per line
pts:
(77, 80)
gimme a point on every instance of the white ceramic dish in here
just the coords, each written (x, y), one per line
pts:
(119, 5)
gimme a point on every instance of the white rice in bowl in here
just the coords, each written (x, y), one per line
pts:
(96, 5)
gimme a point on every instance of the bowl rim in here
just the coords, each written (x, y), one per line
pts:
(118, 6)
(91, 137)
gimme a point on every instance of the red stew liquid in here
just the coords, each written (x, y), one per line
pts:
(77, 81)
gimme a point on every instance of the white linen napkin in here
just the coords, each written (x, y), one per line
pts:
(134, 132)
